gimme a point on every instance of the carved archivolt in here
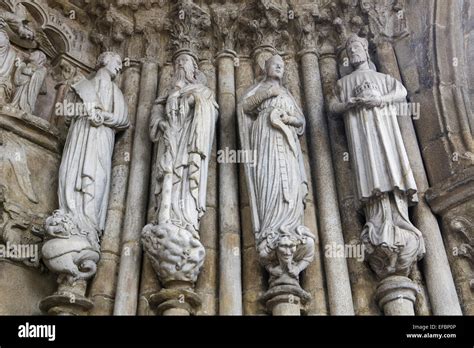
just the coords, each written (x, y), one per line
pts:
(30, 25)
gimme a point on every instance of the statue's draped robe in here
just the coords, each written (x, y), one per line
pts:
(84, 175)
(276, 181)
(7, 62)
(183, 151)
(383, 176)
(28, 87)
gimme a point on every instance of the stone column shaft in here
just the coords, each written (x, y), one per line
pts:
(253, 274)
(102, 291)
(126, 301)
(337, 275)
(207, 284)
(149, 283)
(439, 279)
(312, 279)
(396, 295)
(230, 280)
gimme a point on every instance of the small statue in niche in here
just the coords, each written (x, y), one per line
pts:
(270, 122)
(385, 184)
(7, 64)
(29, 78)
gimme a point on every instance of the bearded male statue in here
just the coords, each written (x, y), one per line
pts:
(182, 126)
(384, 179)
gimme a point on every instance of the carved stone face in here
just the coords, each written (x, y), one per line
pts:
(275, 67)
(286, 249)
(26, 33)
(38, 57)
(356, 53)
(184, 61)
(113, 64)
(184, 70)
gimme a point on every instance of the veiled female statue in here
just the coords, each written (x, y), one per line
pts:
(270, 122)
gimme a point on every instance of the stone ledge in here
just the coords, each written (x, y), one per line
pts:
(32, 128)
(455, 190)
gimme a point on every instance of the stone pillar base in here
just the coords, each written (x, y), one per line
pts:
(175, 301)
(67, 300)
(396, 295)
(286, 300)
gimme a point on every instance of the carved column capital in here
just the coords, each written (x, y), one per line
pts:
(267, 23)
(187, 25)
(305, 17)
(386, 19)
(225, 21)
(226, 53)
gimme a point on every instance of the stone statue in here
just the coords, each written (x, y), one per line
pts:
(270, 122)
(17, 21)
(182, 124)
(73, 231)
(29, 78)
(7, 64)
(383, 176)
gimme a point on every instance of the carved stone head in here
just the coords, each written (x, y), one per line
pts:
(286, 249)
(185, 69)
(38, 58)
(111, 62)
(275, 67)
(357, 49)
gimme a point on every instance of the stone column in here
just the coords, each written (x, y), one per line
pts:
(102, 290)
(337, 275)
(253, 279)
(230, 286)
(453, 201)
(284, 304)
(67, 300)
(207, 286)
(437, 272)
(396, 295)
(312, 279)
(149, 283)
(126, 301)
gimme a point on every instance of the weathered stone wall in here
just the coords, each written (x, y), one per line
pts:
(426, 44)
